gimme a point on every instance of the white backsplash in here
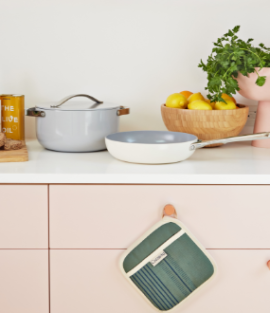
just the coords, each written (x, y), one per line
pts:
(131, 53)
(248, 129)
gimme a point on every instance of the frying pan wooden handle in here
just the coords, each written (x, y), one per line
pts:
(203, 143)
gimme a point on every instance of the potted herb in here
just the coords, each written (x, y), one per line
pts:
(236, 65)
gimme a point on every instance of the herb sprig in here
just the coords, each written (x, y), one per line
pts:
(230, 56)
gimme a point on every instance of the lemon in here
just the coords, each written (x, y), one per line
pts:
(211, 103)
(230, 105)
(195, 96)
(227, 97)
(199, 105)
(176, 100)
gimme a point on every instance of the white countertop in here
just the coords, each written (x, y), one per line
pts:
(237, 163)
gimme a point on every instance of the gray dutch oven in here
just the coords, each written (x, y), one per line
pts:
(76, 126)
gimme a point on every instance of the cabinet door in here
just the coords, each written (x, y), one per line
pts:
(24, 281)
(23, 216)
(90, 216)
(90, 281)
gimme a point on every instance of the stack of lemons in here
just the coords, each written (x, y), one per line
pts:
(196, 101)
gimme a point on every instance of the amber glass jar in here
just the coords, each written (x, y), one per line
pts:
(12, 116)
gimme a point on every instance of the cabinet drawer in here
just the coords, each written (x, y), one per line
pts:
(24, 216)
(89, 216)
(24, 281)
(90, 281)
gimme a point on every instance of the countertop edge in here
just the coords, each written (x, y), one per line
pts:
(125, 180)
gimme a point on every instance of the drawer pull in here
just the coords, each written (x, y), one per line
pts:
(169, 210)
(268, 264)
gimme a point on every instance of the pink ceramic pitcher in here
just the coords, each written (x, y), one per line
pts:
(250, 90)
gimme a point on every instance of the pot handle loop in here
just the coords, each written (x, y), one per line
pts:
(34, 112)
(122, 111)
(97, 102)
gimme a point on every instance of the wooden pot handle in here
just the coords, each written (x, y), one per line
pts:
(169, 210)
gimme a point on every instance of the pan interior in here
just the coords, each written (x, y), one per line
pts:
(152, 137)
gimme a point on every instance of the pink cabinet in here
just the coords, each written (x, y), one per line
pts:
(24, 259)
(89, 281)
(24, 216)
(24, 281)
(91, 225)
(106, 216)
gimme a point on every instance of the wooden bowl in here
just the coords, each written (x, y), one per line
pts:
(206, 124)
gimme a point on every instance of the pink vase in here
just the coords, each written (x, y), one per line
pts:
(250, 90)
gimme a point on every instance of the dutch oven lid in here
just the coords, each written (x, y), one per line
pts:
(76, 105)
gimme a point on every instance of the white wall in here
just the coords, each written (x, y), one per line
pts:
(130, 52)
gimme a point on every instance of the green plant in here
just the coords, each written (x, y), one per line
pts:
(230, 56)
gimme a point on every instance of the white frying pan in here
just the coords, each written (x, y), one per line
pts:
(157, 147)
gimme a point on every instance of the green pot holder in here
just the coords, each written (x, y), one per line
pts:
(167, 265)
